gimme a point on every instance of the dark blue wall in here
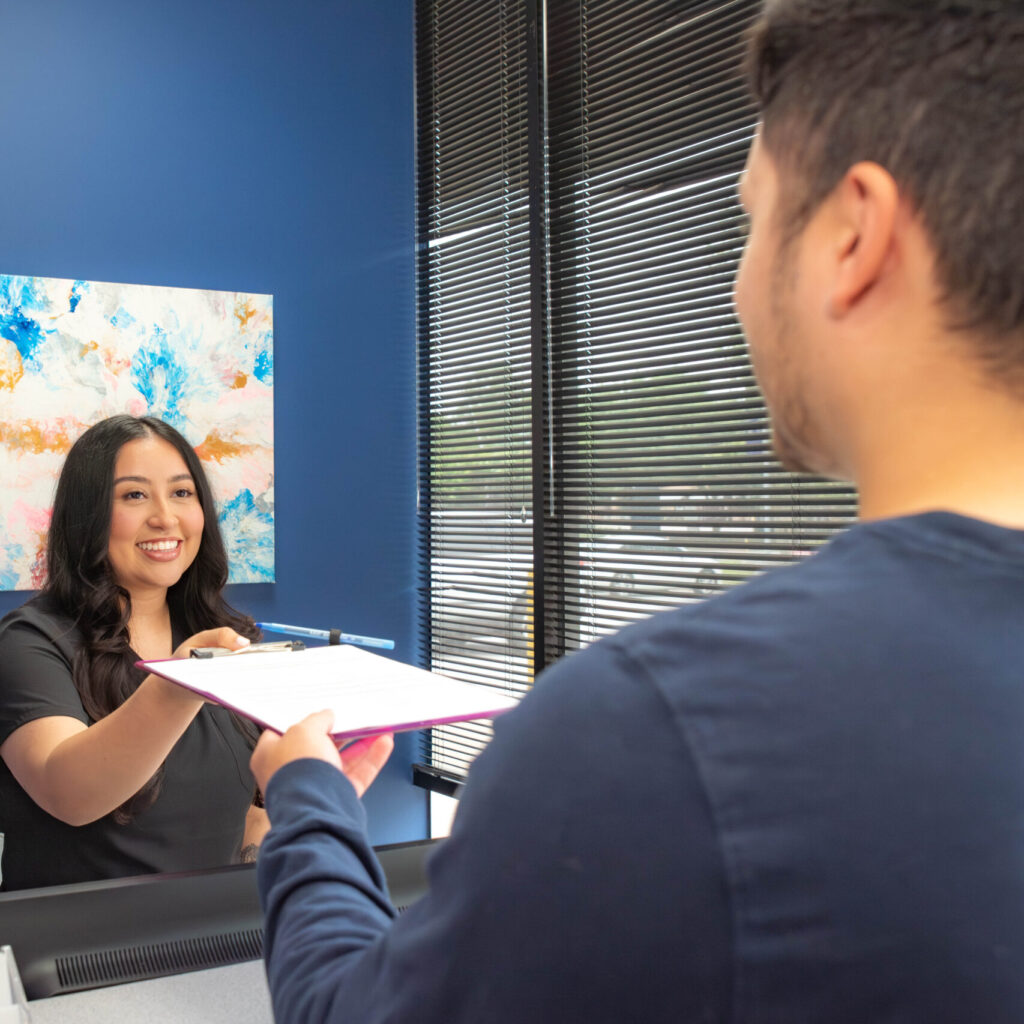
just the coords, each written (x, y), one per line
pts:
(258, 146)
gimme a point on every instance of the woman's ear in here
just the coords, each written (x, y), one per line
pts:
(865, 205)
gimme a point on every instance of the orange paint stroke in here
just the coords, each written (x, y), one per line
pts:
(244, 313)
(240, 381)
(11, 368)
(36, 438)
(215, 448)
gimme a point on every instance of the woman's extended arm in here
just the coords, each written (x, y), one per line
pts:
(257, 825)
(79, 773)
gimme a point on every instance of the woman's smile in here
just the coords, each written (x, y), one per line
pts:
(163, 550)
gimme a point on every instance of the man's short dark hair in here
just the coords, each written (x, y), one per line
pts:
(933, 90)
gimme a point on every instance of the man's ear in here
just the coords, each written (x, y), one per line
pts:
(865, 205)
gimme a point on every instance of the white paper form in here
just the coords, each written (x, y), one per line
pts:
(368, 693)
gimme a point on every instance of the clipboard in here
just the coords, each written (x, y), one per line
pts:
(368, 693)
(264, 648)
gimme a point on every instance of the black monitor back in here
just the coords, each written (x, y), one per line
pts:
(73, 937)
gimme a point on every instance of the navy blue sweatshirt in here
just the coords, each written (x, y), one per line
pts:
(800, 801)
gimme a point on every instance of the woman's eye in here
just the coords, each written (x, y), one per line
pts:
(133, 495)
(184, 492)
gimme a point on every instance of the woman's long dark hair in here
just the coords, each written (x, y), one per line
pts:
(81, 582)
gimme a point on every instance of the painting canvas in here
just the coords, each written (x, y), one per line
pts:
(73, 352)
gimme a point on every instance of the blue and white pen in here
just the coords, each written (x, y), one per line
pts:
(333, 636)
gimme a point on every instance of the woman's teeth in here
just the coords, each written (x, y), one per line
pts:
(158, 545)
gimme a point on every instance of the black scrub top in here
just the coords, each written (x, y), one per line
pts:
(198, 818)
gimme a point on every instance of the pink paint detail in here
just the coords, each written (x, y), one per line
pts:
(37, 571)
(35, 519)
(255, 476)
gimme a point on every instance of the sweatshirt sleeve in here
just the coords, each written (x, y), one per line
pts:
(322, 889)
(582, 858)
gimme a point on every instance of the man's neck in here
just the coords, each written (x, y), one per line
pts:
(1009, 512)
(961, 454)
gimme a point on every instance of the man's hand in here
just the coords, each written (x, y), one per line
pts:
(360, 762)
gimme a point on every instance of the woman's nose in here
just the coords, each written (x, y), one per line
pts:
(162, 514)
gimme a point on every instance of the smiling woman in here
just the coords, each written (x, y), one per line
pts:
(105, 771)
(156, 520)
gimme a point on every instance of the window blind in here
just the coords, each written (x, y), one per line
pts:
(590, 422)
(474, 331)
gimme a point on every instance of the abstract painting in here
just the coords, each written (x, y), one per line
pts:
(73, 352)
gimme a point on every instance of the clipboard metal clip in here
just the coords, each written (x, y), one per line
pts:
(267, 648)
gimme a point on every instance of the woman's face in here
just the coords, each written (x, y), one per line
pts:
(156, 520)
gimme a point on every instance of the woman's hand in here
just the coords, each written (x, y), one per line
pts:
(224, 637)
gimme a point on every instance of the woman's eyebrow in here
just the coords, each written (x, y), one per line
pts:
(146, 480)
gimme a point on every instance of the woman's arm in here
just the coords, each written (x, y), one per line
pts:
(257, 825)
(79, 773)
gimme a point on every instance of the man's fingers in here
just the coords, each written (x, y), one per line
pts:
(311, 738)
(308, 738)
(319, 721)
(372, 748)
(362, 761)
(263, 756)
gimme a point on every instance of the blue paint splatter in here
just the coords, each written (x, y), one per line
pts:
(161, 376)
(27, 292)
(122, 319)
(13, 554)
(78, 289)
(248, 530)
(26, 333)
(20, 297)
(263, 364)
